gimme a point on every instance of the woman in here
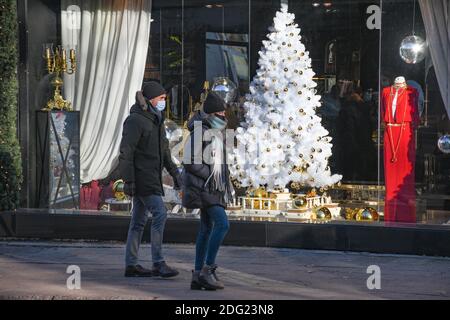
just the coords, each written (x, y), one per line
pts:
(207, 186)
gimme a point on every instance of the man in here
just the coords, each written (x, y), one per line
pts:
(144, 152)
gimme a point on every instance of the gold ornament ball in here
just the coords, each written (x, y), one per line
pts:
(367, 214)
(300, 202)
(323, 214)
(260, 193)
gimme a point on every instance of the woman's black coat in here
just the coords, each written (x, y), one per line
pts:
(195, 193)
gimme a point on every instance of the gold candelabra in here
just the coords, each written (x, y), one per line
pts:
(57, 65)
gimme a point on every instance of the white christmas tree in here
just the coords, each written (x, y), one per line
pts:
(282, 139)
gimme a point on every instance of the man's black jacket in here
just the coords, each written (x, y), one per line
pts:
(144, 150)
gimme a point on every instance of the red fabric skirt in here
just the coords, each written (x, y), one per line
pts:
(400, 202)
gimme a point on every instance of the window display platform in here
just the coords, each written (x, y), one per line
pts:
(375, 237)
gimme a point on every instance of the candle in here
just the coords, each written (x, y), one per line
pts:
(63, 52)
(47, 53)
(72, 54)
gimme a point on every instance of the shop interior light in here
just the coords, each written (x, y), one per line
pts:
(210, 6)
(327, 4)
(316, 4)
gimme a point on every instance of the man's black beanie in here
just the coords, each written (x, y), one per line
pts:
(213, 103)
(152, 89)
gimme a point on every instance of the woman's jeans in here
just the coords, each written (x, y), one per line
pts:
(213, 228)
(140, 209)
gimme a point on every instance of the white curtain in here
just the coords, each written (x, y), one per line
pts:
(111, 38)
(435, 16)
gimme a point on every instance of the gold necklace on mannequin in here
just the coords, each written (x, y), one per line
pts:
(391, 124)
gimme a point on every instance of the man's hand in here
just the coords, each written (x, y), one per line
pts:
(129, 189)
(177, 180)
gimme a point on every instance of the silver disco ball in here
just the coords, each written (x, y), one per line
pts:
(225, 88)
(413, 49)
(174, 132)
(444, 143)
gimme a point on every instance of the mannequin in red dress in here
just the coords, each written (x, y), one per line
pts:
(401, 116)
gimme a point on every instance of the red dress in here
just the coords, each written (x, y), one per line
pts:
(400, 153)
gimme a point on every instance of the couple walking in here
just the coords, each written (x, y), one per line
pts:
(144, 153)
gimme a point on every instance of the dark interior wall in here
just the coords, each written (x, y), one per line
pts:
(345, 22)
(38, 24)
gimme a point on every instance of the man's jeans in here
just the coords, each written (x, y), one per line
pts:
(140, 209)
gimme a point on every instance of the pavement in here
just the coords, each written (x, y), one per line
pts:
(38, 271)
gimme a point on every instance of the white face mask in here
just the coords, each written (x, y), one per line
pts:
(161, 105)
